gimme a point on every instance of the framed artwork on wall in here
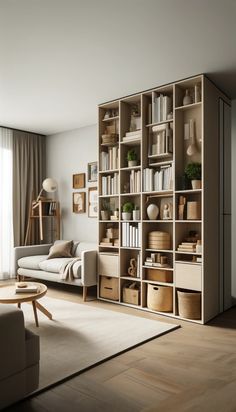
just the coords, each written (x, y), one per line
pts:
(79, 181)
(93, 202)
(93, 172)
(78, 202)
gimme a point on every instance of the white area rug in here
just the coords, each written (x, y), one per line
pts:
(80, 336)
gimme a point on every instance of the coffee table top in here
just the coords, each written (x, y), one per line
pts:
(8, 294)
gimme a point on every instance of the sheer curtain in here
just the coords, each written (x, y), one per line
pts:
(6, 209)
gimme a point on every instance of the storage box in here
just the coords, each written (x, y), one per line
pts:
(109, 288)
(160, 298)
(188, 276)
(131, 296)
(159, 275)
(189, 304)
(193, 211)
(108, 264)
(159, 240)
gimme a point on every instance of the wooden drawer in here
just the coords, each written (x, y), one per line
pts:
(108, 265)
(188, 276)
(109, 288)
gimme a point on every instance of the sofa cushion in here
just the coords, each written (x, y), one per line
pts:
(31, 262)
(83, 246)
(54, 265)
(74, 245)
(61, 250)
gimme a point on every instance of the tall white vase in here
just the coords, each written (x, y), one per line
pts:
(152, 211)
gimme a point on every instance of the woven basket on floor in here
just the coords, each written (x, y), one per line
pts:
(189, 304)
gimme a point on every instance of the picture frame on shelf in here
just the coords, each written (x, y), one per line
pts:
(92, 172)
(93, 202)
(78, 202)
(78, 181)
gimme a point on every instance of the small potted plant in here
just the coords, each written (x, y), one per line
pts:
(194, 173)
(127, 210)
(132, 158)
(136, 213)
(105, 211)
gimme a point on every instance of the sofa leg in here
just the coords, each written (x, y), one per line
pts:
(85, 293)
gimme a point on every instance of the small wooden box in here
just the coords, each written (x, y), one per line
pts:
(193, 211)
(131, 296)
(160, 275)
(109, 288)
(159, 240)
(108, 264)
(160, 298)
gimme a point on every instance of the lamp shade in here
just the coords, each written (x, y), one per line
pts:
(50, 185)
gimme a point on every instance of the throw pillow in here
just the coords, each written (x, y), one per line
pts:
(59, 250)
(74, 246)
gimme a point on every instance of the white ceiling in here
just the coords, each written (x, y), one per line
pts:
(60, 58)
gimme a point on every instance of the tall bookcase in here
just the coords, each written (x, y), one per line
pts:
(148, 257)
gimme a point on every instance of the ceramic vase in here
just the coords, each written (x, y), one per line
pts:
(136, 214)
(126, 216)
(187, 98)
(196, 184)
(152, 211)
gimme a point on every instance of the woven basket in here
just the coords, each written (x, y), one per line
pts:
(189, 304)
(160, 298)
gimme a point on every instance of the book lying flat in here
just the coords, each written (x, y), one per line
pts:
(27, 289)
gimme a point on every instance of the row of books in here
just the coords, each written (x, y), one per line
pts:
(110, 184)
(161, 140)
(135, 181)
(131, 235)
(161, 107)
(110, 160)
(158, 180)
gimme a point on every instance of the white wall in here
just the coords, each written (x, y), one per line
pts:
(233, 117)
(68, 153)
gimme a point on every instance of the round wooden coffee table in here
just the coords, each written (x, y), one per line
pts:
(8, 295)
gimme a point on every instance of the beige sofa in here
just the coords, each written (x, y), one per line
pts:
(19, 359)
(31, 261)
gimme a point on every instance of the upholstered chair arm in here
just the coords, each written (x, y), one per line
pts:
(89, 267)
(12, 342)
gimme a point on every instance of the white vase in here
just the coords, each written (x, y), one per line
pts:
(187, 98)
(105, 215)
(196, 184)
(152, 211)
(136, 214)
(126, 216)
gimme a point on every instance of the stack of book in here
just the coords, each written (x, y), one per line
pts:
(161, 107)
(132, 136)
(110, 184)
(158, 180)
(109, 159)
(22, 287)
(135, 181)
(161, 141)
(187, 247)
(131, 235)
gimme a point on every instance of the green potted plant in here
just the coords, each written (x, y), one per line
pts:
(127, 210)
(136, 213)
(132, 158)
(105, 210)
(193, 172)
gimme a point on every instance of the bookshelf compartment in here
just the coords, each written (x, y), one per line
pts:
(189, 304)
(131, 234)
(188, 276)
(162, 209)
(194, 91)
(158, 179)
(109, 288)
(130, 263)
(159, 298)
(108, 264)
(109, 209)
(188, 206)
(109, 234)
(158, 260)
(130, 292)
(131, 181)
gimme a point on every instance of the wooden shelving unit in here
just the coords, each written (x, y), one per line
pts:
(187, 274)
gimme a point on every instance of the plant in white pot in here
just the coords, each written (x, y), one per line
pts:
(136, 213)
(105, 210)
(132, 158)
(127, 210)
(193, 172)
